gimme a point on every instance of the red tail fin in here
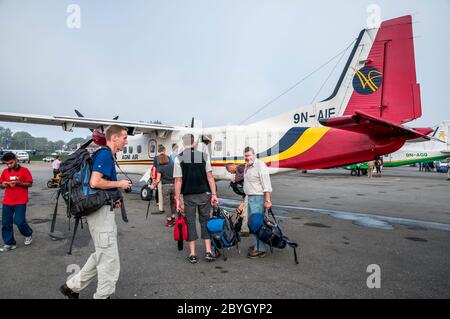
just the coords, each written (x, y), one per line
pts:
(386, 85)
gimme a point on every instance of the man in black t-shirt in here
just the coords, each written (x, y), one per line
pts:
(194, 179)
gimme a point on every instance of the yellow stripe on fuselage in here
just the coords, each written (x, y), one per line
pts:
(135, 162)
(307, 140)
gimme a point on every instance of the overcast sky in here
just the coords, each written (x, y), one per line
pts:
(218, 61)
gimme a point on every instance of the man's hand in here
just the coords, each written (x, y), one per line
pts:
(124, 184)
(13, 184)
(118, 204)
(267, 204)
(214, 200)
(5, 184)
(152, 187)
(179, 204)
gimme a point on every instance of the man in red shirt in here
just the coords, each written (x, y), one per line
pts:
(15, 179)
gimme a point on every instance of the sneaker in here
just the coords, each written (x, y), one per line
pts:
(28, 241)
(69, 293)
(210, 257)
(7, 248)
(192, 259)
(256, 254)
(169, 222)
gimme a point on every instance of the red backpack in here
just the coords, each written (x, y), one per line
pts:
(180, 232)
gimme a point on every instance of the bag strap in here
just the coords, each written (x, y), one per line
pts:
(86, 144)
(272, 214)
(55, 211)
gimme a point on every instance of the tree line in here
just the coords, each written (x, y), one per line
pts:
(25, 141)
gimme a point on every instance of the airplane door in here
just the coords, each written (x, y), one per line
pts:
(219, 146)
(152, 148)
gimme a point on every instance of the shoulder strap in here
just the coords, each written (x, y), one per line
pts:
(272, 214)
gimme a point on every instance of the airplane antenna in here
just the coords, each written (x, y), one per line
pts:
(297, 83)
(329, 75)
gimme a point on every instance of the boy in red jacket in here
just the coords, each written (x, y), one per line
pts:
(16, 180)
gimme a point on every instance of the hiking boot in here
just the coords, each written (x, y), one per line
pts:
(192, 259)
(210, 257)
(69, 293)
(256, 254)
(28, 241)
(251, 248)
(6, 248)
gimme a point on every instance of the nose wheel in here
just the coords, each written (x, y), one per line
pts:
(146, 193)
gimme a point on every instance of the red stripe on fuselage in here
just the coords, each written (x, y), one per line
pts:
(339, 147)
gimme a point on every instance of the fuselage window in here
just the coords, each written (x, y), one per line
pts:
(130, 149)
(139, 149)
(125, 150)
(218, 146)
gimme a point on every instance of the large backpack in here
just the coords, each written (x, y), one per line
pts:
(268, 230)
(224, 228)
(80, 198)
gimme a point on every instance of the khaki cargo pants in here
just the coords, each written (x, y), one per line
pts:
(104, 263)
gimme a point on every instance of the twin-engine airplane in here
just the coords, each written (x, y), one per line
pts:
(363, 118)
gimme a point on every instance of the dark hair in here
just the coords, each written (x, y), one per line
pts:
(161, 148)
(188, 139)
(10, 156)
(163, 159)
(228, 165)
(114, 130)
(249, 149)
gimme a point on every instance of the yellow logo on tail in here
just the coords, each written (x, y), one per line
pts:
(367, 80)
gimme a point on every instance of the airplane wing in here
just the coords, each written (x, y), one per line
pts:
(68, 123)
(361, 122)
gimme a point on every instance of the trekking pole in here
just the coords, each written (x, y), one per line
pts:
(52, 228)
(77, 220)
(148, 209)
(295, 254)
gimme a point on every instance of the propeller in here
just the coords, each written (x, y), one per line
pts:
(192, 123)
(97, 137)
(78, 113)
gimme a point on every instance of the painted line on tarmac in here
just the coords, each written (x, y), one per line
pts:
(361, 219)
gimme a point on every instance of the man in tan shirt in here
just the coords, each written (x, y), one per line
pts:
(257, 187)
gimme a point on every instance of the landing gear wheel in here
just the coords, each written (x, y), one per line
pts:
(50, 184)
(146, 193)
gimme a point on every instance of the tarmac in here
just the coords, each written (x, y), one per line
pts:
(344, 225)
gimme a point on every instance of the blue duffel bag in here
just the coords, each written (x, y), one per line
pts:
(267, 230)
